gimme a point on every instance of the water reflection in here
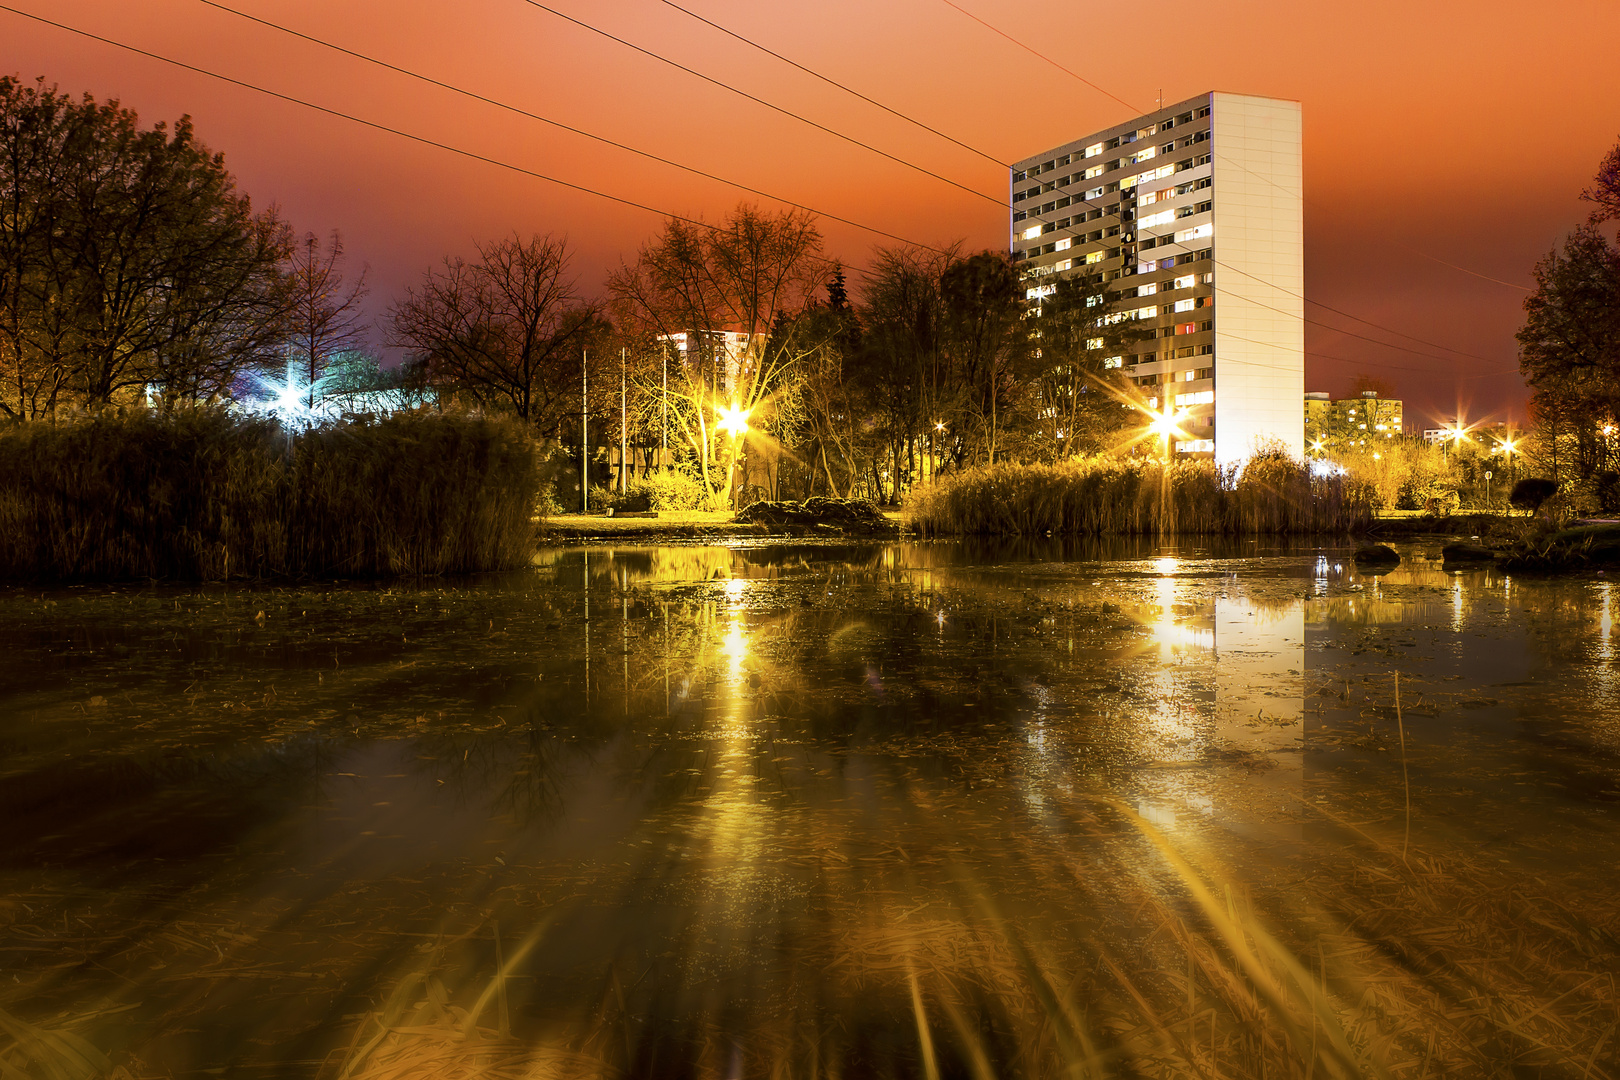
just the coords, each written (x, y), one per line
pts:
(814, 809)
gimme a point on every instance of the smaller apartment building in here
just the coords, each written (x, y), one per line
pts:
(1362, 420)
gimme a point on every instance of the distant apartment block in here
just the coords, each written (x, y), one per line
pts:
(1353, 421)
(1193, 215)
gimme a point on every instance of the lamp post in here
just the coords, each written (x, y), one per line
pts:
(733, 421)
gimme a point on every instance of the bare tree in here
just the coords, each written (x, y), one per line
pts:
(325, 318)
(507, 330)
(728, 293)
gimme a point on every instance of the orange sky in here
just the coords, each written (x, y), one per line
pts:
(1461, 131)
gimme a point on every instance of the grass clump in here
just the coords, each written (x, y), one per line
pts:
(208, 495)
(1103, 495)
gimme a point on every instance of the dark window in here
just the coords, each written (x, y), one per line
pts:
(1204, 111)
(1048, 208)
(1149, 243)
(1111, 144)
(1184, 118)
(1207, 350)
(1065, 159)
(1017, 176)
(1048, 227)
(1020, 216)
(1203, 206)
(1065, 201)
(1018, 196)
(1207, 325)
(1187, 164)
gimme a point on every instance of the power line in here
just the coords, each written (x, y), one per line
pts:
(547, 120)
(761, 101)
(1035, 52)
(834, 82)
(1041, 55)
(424, 140)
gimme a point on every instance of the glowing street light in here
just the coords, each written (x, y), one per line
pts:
(733, 421)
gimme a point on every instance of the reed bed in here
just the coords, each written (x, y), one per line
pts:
(1100, 496)
(203, 495)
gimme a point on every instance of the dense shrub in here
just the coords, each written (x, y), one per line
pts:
(669, 489)
(1123, 496)
(205, 495)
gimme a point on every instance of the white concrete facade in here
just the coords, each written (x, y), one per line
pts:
(1259, 234)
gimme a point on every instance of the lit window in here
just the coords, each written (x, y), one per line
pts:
(1094, 343)
(1147, 198)
(1039, 291)
(1163, 217)
(1113, 361)
(1145, 312)
(1094, 149)
(1094, 257)
(1197, 232)
(1184, 305)
(1094, 193)
(1144, 154)
(1184, 282)
(1063, 245)
(1147, 290)
(1094, 172)
(1200, 397)
(1196, 446)
(1064, 265)
(1030, 233)
(1188, 375)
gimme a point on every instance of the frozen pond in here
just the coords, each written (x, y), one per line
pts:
(818, 810)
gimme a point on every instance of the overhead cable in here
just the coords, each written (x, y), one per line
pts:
(422, 139)
(834, 82)
(554, 123)
(761, 101)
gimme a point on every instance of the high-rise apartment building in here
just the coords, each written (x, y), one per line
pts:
(1193, 216)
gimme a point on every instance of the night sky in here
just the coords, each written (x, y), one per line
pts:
(1433, 131)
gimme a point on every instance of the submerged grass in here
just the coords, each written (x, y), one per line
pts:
(1101, 496)
(207, 495)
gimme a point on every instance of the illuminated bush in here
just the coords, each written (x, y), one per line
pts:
(1134, 496)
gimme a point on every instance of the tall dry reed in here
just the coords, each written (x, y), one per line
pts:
(207, 495)
(1099, 496)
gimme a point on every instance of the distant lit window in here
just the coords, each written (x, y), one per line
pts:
(1197, 232)
(1184, 305)
(1113, 361)
(1094, 172)
(1198, 397)
(1063, 245)
(1184, 282)
(1039, 291)
(1163, 217)
(1147, 198)
(1094, 149)
(1094, 343)
(1094, 193)
(1196, 446)
(1094, 257)
(1144, 154)
(1030, 233)
(1148, 289)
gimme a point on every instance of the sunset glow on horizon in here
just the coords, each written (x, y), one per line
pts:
(1444, 150)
